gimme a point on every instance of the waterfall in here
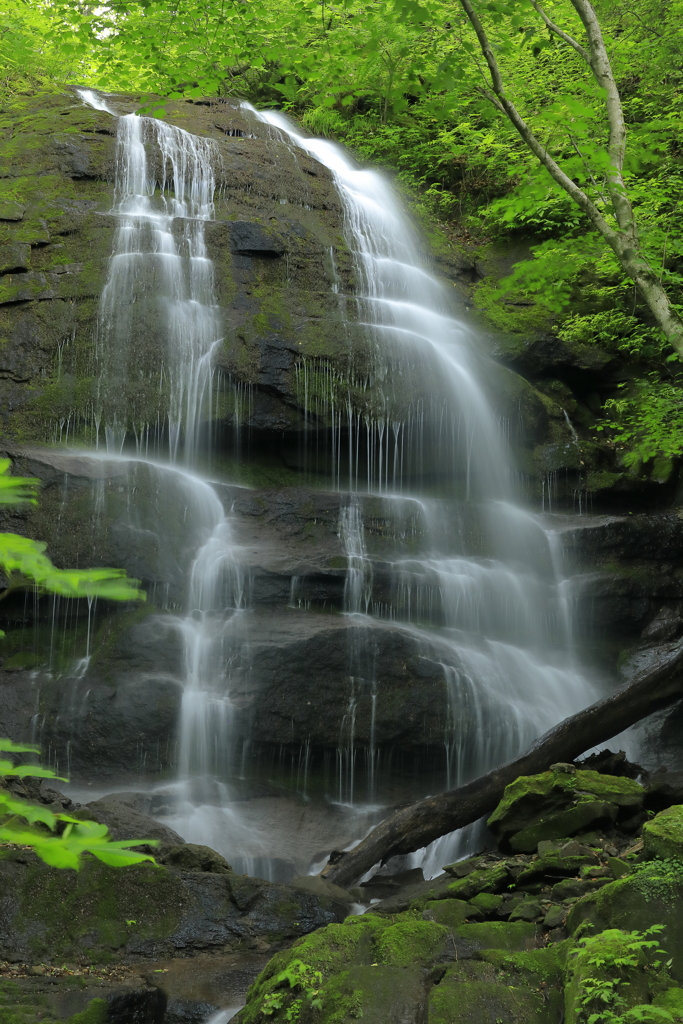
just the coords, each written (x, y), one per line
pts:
(160, 263)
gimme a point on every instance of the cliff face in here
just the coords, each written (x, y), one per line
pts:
(102, 688)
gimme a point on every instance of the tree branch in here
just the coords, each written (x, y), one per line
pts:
(624, 241)
(561, 33)
(536, 147)
(602, 71)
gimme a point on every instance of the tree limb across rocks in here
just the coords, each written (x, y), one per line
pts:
(421, 823)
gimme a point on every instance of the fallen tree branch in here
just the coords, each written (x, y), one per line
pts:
(421, 823)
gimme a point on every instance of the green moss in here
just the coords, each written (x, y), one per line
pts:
(505, 935)
(487, 902)
(472, 993)
(376, 994)
(671, 999)
(59, 912)
(451, 913)
(520, 315)
(663, 836)
(585, 816)
(553, 863)
(535, 964)
(493, 879)
(532, 806)
(411, 941)
(95, 1013)
(23, 660)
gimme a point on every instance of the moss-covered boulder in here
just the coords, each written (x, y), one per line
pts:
(104, 914)
(561, 802)
(473, 993)
(663, 836)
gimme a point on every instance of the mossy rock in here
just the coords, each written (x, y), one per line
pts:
(492, 880)
(451, 913)
(531, 800)
(487, 902)
(377, 994)
(554, 865)
(584, 817)
(663, 836)
(411, 941)
(653, 895)
(510, 936)
(477, 993)
(535, 965)
(672, 1000)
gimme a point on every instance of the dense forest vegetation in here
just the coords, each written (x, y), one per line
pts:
(404, 84)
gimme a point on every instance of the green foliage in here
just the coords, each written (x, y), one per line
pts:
(297, 977)
(77, 837)
(608, 967)
(26, 564)
(32, 825)
(646, 420)
(659, 879)
(614, 330)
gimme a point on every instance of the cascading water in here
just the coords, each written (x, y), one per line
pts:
(160, 263)
(160, 284)
(502, 619)
(490, 610)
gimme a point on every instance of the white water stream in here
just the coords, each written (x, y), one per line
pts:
(505, 630)
(500, 621)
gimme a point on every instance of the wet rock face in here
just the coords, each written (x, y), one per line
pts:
(297, 668)
(283, 275)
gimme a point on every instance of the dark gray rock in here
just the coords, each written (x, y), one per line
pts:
(124, 822)
(190, 857)
(252, 239)
(664, 790)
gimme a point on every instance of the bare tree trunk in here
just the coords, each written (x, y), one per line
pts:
(421, 823)
(624, 239)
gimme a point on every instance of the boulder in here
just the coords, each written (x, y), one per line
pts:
(146, 910)
(190, 857)
(663, 790)
(471, 992)
(595, 964)
(634, 903)
(124, 822)
(663, 836)
(562, 802)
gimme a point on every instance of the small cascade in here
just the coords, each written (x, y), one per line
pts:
(362, 677)
(159, 291)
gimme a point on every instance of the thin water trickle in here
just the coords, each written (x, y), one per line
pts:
(160, 284)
